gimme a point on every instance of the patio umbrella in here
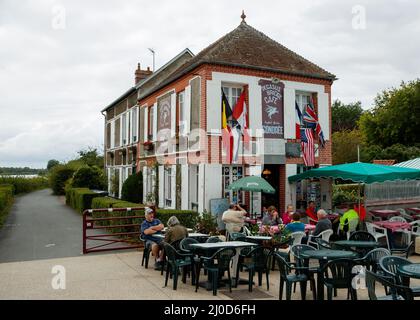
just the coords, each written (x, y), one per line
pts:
(252, 184)
(360, 172)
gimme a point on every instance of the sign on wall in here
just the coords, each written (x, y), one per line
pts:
(272, 108)
(164, 113)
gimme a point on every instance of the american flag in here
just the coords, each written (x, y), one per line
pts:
(307, 144)
(310, 120)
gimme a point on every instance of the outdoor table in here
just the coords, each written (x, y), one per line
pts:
(259, 239)
(190, 235)
(393, 225)
(409, 271)
(323, 256)
(309, 227)
(237, 245)
(363, 246)
(166, 229)
(416, 210)
(384, 213)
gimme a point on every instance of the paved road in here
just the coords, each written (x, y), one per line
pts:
(40, 226)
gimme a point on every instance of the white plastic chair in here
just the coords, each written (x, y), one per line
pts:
(415, 228)
(352, 227)
(397, 218)
(297, 237)
(405, 215)
(324, 235)
(377, 232)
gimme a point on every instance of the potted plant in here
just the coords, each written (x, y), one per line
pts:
(148, 145)
(150, 199)
(206, 223)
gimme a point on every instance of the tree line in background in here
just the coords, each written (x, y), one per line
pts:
(387, 131)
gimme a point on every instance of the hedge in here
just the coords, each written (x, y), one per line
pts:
(6, 200)
(24, 185)
(80, 199)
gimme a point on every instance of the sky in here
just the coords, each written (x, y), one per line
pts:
(63, 61)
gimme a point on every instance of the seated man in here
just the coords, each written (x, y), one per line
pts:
(176, 231)
(323, 223)
(295, 225)
(149, 227)
(287, 216)
(234, 218)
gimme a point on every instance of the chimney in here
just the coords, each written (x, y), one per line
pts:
(141, 74)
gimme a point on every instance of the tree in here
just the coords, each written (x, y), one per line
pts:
(345, 116)
(132, 188)
(58, 177)
(344, 146)
(394, 118)
(52, 163)
(91, 157)
(89, 177)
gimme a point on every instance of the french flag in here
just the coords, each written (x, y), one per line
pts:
(298, 120)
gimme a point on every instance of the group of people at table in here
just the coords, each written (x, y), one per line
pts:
(234, 219)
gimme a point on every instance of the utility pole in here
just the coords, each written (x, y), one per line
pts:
(153, 53)
(358, 153)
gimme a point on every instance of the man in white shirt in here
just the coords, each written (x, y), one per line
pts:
(234, 218)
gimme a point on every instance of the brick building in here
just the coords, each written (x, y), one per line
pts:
(168, 126)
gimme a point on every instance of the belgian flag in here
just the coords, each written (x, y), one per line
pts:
(227, 138)
(226, 111)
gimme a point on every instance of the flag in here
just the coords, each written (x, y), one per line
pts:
(227, 139)
(307, 144)
(298, 120)
(240, 114)
(310, 120)
(236, 138)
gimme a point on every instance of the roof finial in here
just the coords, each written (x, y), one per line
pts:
(243, 16)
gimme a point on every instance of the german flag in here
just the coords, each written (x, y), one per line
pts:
(227, 138)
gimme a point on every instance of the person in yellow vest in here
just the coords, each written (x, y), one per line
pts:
(348, 215)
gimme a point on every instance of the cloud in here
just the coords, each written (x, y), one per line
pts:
(54, 82)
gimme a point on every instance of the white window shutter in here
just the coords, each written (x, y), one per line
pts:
(161, 186)
(145, 178)
(185, 187)
(128, 127)
(213, 177)
(173, 187)
(155, 115)
(290, 117)
(112, 134)
(146, 119)
(173, 114)
(136, 124)
(201, 187)
(323, 114)
(187, 103)
(214, 113)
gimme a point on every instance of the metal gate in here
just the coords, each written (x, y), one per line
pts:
(108, 240)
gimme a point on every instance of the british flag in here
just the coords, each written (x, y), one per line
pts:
(310, 120)
(307, 144)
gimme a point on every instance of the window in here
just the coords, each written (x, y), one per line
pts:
(124, 129)
(168, 186)
(232, 93)
(230, 175)
(134, 126)
(302, 100)
(182, 113)
(150, 133)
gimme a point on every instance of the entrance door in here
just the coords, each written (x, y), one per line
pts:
(271, 173)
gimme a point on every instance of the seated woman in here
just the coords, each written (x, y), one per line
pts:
(295, 225)
(287, 216)
(273, 218)
(176, 231)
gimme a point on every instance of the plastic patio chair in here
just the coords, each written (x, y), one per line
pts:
(362, 236)
(185, 243)
(213, 239)
(237, 236)
(405, 215)
(300, 261)
(352, 227)
(396, 292)
(371, 259)
(146, 253)
(176, 260)
(256, 261)
(216, 265)
(289, 278)
(377, 232)
(405, 244)
(415, 228)
(397, 218)
(337, 274)
(324, 235)
(297, 237)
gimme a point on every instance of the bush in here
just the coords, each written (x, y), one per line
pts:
(58, 178)
(25, 185)
(80, 199)
(6, 200)
(89, 177)
(187, 218)
(346, 194)
(132, 189)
